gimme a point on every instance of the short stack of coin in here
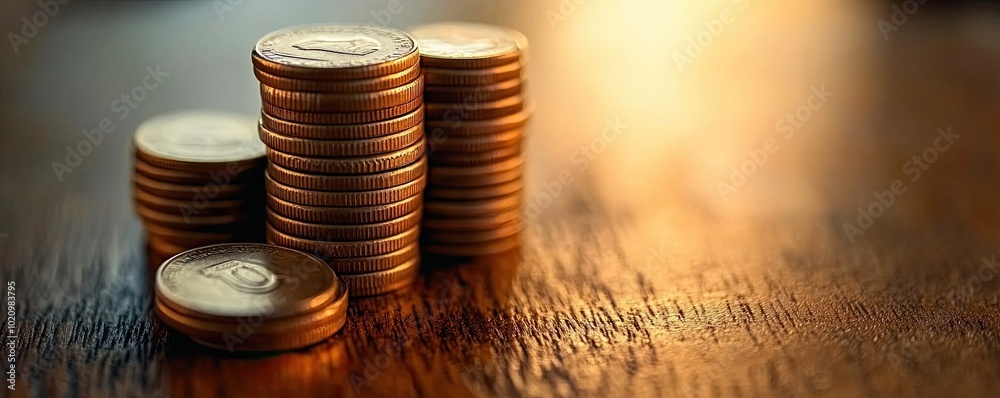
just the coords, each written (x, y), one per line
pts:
(198, 181)
(342, 113)
(475, 127)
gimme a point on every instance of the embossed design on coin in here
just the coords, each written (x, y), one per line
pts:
(464, 40)
(334, 46)
(244, 276)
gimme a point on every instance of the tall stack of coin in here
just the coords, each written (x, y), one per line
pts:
(342, 119)
(475, 126)
(198, 181)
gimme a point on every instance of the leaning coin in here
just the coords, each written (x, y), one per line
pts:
(338, 102)
(344, 199)
(198, 141)
(339, 86)
(341, 148)
(465, 45)
(345, 215)
(342, 131)
(382, 282)
(342, 118)
(361, 182)
(323, 247)
(335, 52)
(349, 165)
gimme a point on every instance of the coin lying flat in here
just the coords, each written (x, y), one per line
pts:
(345, 215)
(349, 165)
(341, 148)
(335, 52)
(362, 182)
(382, 282)
(465, 45)
(344, 199)
(188, 192)
(474, 193)
(479, 158)
(474, 110)
(476, 176)
(344, 117)
(481, 223)
(339, 86)
(195, 222)
(475, 93)
(324, 247)
(473, 237)
(480, 143)
(353, 232)
(474, 249)
(191, 207)
(197, 140)
(290, 299)
(343, 131)
(461, 128)
(342, 102)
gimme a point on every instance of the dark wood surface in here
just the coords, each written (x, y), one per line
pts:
(636, 278)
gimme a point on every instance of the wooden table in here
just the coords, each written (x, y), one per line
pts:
(637, 276)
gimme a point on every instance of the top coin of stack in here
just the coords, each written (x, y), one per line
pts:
(342, 119)
(250, 297)
(198, 181)
(475, 124)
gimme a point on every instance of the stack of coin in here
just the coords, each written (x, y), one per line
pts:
(475, 127)
(198, 181)
(250, 297)
(342, 119)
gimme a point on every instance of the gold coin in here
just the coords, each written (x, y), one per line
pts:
(471, 77)
(474, 110)
(340, 86)
(231, 172)
(344, 199)
(342, 118)
(473, 193)
(362, 265)
(342, 131)
(338, 102)
(191, 207)
(189, 192)
(473, 249)
(353, 232)
(465, 45)
(335, 52)
(349, 165)
(196, 222)
(361, 182)
(345, 215)
(341, 148)
(382, 282)
(323, 247)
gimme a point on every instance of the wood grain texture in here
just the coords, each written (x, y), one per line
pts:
(637, 279)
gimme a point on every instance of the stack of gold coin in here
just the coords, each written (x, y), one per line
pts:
(198, 181)
(342, 119)
(250, 297)
(475, 127)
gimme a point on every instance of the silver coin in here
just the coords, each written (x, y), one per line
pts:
(334, 46)
(466, 40)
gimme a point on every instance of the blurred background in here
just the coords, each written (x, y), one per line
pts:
(687, 113)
